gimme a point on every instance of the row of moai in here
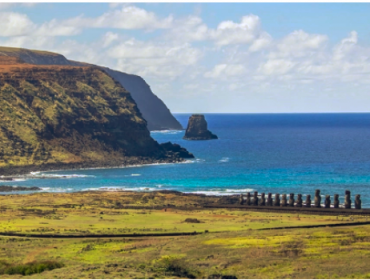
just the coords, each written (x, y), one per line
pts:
(284, 202)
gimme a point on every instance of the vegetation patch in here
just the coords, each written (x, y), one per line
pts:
(29, 268)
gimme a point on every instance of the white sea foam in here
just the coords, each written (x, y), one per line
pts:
(166, 131)
(120, 188)
(197, 160)
(60, 176)
(222, 192)
(224, 159)
(48, 189)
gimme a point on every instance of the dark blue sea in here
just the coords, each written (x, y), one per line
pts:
(278, 153)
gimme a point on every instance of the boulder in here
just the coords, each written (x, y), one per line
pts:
(197, 129)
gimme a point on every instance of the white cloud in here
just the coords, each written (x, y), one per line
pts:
(127, 17)
(276, 66)
(109, 38)
(176, 59)
(15, 24)
(153, 58)
(229, 32)
(55, 28)
(225, 71)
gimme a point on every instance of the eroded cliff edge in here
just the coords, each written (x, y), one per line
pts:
(153, 109)
(57, 117)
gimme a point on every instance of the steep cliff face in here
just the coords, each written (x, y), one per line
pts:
(197, 129)
(66, 114)
(154, 111)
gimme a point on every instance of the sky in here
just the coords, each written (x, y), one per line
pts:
(214, 57)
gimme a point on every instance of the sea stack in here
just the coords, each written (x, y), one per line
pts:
(197, 129)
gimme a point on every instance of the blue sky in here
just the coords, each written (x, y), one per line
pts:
(214, 57)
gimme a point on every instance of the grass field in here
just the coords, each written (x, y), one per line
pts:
(232, 247)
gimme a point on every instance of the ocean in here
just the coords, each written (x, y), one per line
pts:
(277, 153)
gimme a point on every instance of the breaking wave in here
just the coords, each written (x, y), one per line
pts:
(221, 192)
(224, 159)
(167, 131)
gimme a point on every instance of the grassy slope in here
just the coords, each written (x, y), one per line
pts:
(232, 247)
(61, 114)
(21, 50)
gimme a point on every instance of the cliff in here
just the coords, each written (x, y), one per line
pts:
(197, 129)
(71, 116)
(154, 111)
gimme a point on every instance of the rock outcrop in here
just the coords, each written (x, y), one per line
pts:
(66, 115)
(197, 129)
(153, 110)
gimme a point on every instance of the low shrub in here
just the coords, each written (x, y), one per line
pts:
(174, 265)
(31, 268)
(191, 220)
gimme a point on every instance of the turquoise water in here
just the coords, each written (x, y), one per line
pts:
(281, 153)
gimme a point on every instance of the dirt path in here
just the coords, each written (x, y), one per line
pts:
(170, 234)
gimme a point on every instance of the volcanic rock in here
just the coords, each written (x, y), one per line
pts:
(152, 108)
(69, 116)
(16, 189)
(197, 129)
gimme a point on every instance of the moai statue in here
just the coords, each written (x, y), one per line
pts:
(277, 200)
(299, 201)
(283, 201)
(262, 200)
(308, 201)
(327, 201)
(336, 201)
(357, 201)
(291, 200)
(269, 199)
(255, 199)
(248, 200)
(317, 199)
(241, 199)
(347, 200)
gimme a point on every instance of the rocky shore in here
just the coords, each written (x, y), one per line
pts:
(17, 189)
(11, 172)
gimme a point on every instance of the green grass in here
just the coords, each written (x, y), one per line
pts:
(232, 247)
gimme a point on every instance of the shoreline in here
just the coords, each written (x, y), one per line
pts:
(25, 171)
